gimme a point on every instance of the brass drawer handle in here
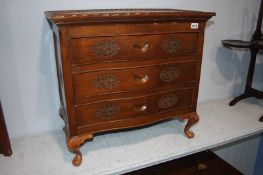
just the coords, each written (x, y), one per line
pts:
(141, 108)
(143, 48)
(140, 79)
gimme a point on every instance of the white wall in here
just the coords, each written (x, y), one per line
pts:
(28, 88)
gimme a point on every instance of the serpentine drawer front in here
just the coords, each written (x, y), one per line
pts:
(120, 69)
(111, 110)
(88, 50)
(131, 79)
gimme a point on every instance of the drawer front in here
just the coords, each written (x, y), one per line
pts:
(114, 110)
(134, 29)
(88, 50)
(131, 79)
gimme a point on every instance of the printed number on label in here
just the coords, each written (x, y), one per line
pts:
(194, 25)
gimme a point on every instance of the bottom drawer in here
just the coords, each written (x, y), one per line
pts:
(119, 109)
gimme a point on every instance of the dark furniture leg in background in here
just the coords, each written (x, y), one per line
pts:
(5, 146)
(255, 44)
(249, 91)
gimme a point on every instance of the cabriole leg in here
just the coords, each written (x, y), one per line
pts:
(74, 143)
(192, 119)
(77, 160)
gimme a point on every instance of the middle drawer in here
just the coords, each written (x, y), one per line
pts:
(132, 79)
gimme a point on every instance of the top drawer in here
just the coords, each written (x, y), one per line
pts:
(88, 50)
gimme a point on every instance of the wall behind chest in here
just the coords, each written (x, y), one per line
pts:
(28, 87)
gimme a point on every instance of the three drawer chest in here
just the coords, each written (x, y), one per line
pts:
(126, 68)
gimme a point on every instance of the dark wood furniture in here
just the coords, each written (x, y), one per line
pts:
(125, 68)
(5, 146)
(253, 45)
(203, 163)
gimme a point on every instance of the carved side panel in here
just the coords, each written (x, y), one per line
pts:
(107, 81)
(107, 111)
(167, 101)
(105, 49)
(171, 45)
(169, 74)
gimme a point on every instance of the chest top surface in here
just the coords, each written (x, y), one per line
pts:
(70, 17)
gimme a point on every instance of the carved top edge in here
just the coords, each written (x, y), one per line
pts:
(104, 15)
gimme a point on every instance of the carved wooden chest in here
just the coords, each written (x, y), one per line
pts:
(125, 68)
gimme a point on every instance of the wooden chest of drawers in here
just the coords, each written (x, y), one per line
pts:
(125, 68)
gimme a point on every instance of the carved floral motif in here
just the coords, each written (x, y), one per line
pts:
(169, 74)
(107, 82)
(167, 101)
(171, 45)
(107, 111)
(105, 49)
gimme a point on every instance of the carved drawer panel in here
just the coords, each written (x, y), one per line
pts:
(119, 109)
(88, 50)
(131, 79)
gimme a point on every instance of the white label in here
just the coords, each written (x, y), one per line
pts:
(194, 25)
